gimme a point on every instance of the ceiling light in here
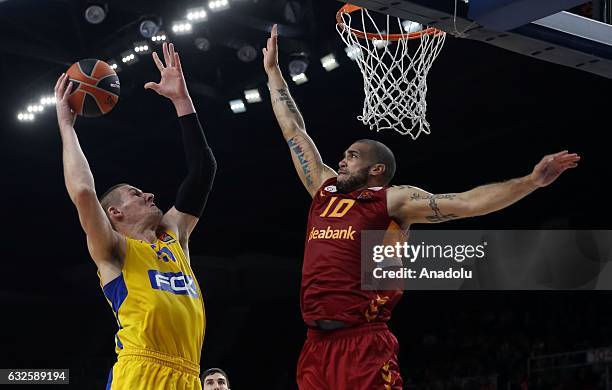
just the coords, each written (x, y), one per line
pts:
(237, 106)
(329, 62)
(299, 78)
(252, 95)
(96, 13)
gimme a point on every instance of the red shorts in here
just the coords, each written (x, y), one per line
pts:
(362, 357)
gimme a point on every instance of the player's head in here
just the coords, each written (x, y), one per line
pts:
(366, 163)
(127, 205)
(215, 379)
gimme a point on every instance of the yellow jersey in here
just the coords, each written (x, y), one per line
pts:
(157, 300)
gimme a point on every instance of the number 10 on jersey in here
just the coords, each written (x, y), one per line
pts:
(341, 208)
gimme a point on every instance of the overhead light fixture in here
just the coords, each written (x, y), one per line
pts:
(411, 27)
(114, 65)
(329, 62)
(246, 53)
(159, 37)
(299, 78)
(252, 95)
(197, 14)
(96, 13)
(298, 63)
(182, 28)
(149, 27)
(353, 52)
(128, 57)
(218, 5)
(47, 100)
(35, 108)
(142, 47)
(25, 117)
(202, 43)
(237, 106)
(381, 43)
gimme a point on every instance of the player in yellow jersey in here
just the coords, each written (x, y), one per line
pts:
(141, 253)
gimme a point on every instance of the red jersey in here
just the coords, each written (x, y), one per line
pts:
(331, 274)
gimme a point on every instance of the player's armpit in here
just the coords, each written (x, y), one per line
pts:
(408, 205)
(180, 223)
(109, 264)
(307, 162)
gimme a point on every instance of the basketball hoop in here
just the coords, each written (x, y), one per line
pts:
(394, 68)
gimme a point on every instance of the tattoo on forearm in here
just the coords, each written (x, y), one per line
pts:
(295, 144)
(437, 216)
(286, 98)
(417, 196)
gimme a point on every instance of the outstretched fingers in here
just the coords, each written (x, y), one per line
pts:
(177, 62)
(171, 58)
(572, 156)
(171, 55)
(568, 158)
(166, 53)
(158, 62)
(272, 41)
(564, 161)
(562, 157)
(569, 164)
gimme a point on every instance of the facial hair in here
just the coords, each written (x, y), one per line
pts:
(354, 181)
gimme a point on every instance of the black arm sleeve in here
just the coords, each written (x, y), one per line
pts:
(201, 168)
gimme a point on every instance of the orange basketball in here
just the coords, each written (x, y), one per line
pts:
(95, 87)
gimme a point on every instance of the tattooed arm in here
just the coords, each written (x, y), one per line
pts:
(409, 205)
(306, 158)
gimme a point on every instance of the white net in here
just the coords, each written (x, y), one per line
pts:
(394, 72)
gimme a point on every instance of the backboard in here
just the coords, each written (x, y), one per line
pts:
(542, 30)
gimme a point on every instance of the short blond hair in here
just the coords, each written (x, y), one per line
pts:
(112, 197)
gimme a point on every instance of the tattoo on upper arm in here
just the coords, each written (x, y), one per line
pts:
(437, 216)
(296, 144)
(286, 98)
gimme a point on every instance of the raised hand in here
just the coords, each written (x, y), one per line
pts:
(552, 166)
(65, 115)
(270, 52)
(172, 84)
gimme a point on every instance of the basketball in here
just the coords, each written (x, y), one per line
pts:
(95, 87)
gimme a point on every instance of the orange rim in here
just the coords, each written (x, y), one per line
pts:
(350, 8)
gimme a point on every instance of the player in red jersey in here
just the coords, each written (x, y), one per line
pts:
(349, 345)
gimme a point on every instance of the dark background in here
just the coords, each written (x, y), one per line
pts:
(493, 113)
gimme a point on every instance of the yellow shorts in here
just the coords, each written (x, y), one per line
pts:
(141, 369)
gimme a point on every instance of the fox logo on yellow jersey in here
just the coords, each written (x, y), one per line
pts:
(174, 282)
